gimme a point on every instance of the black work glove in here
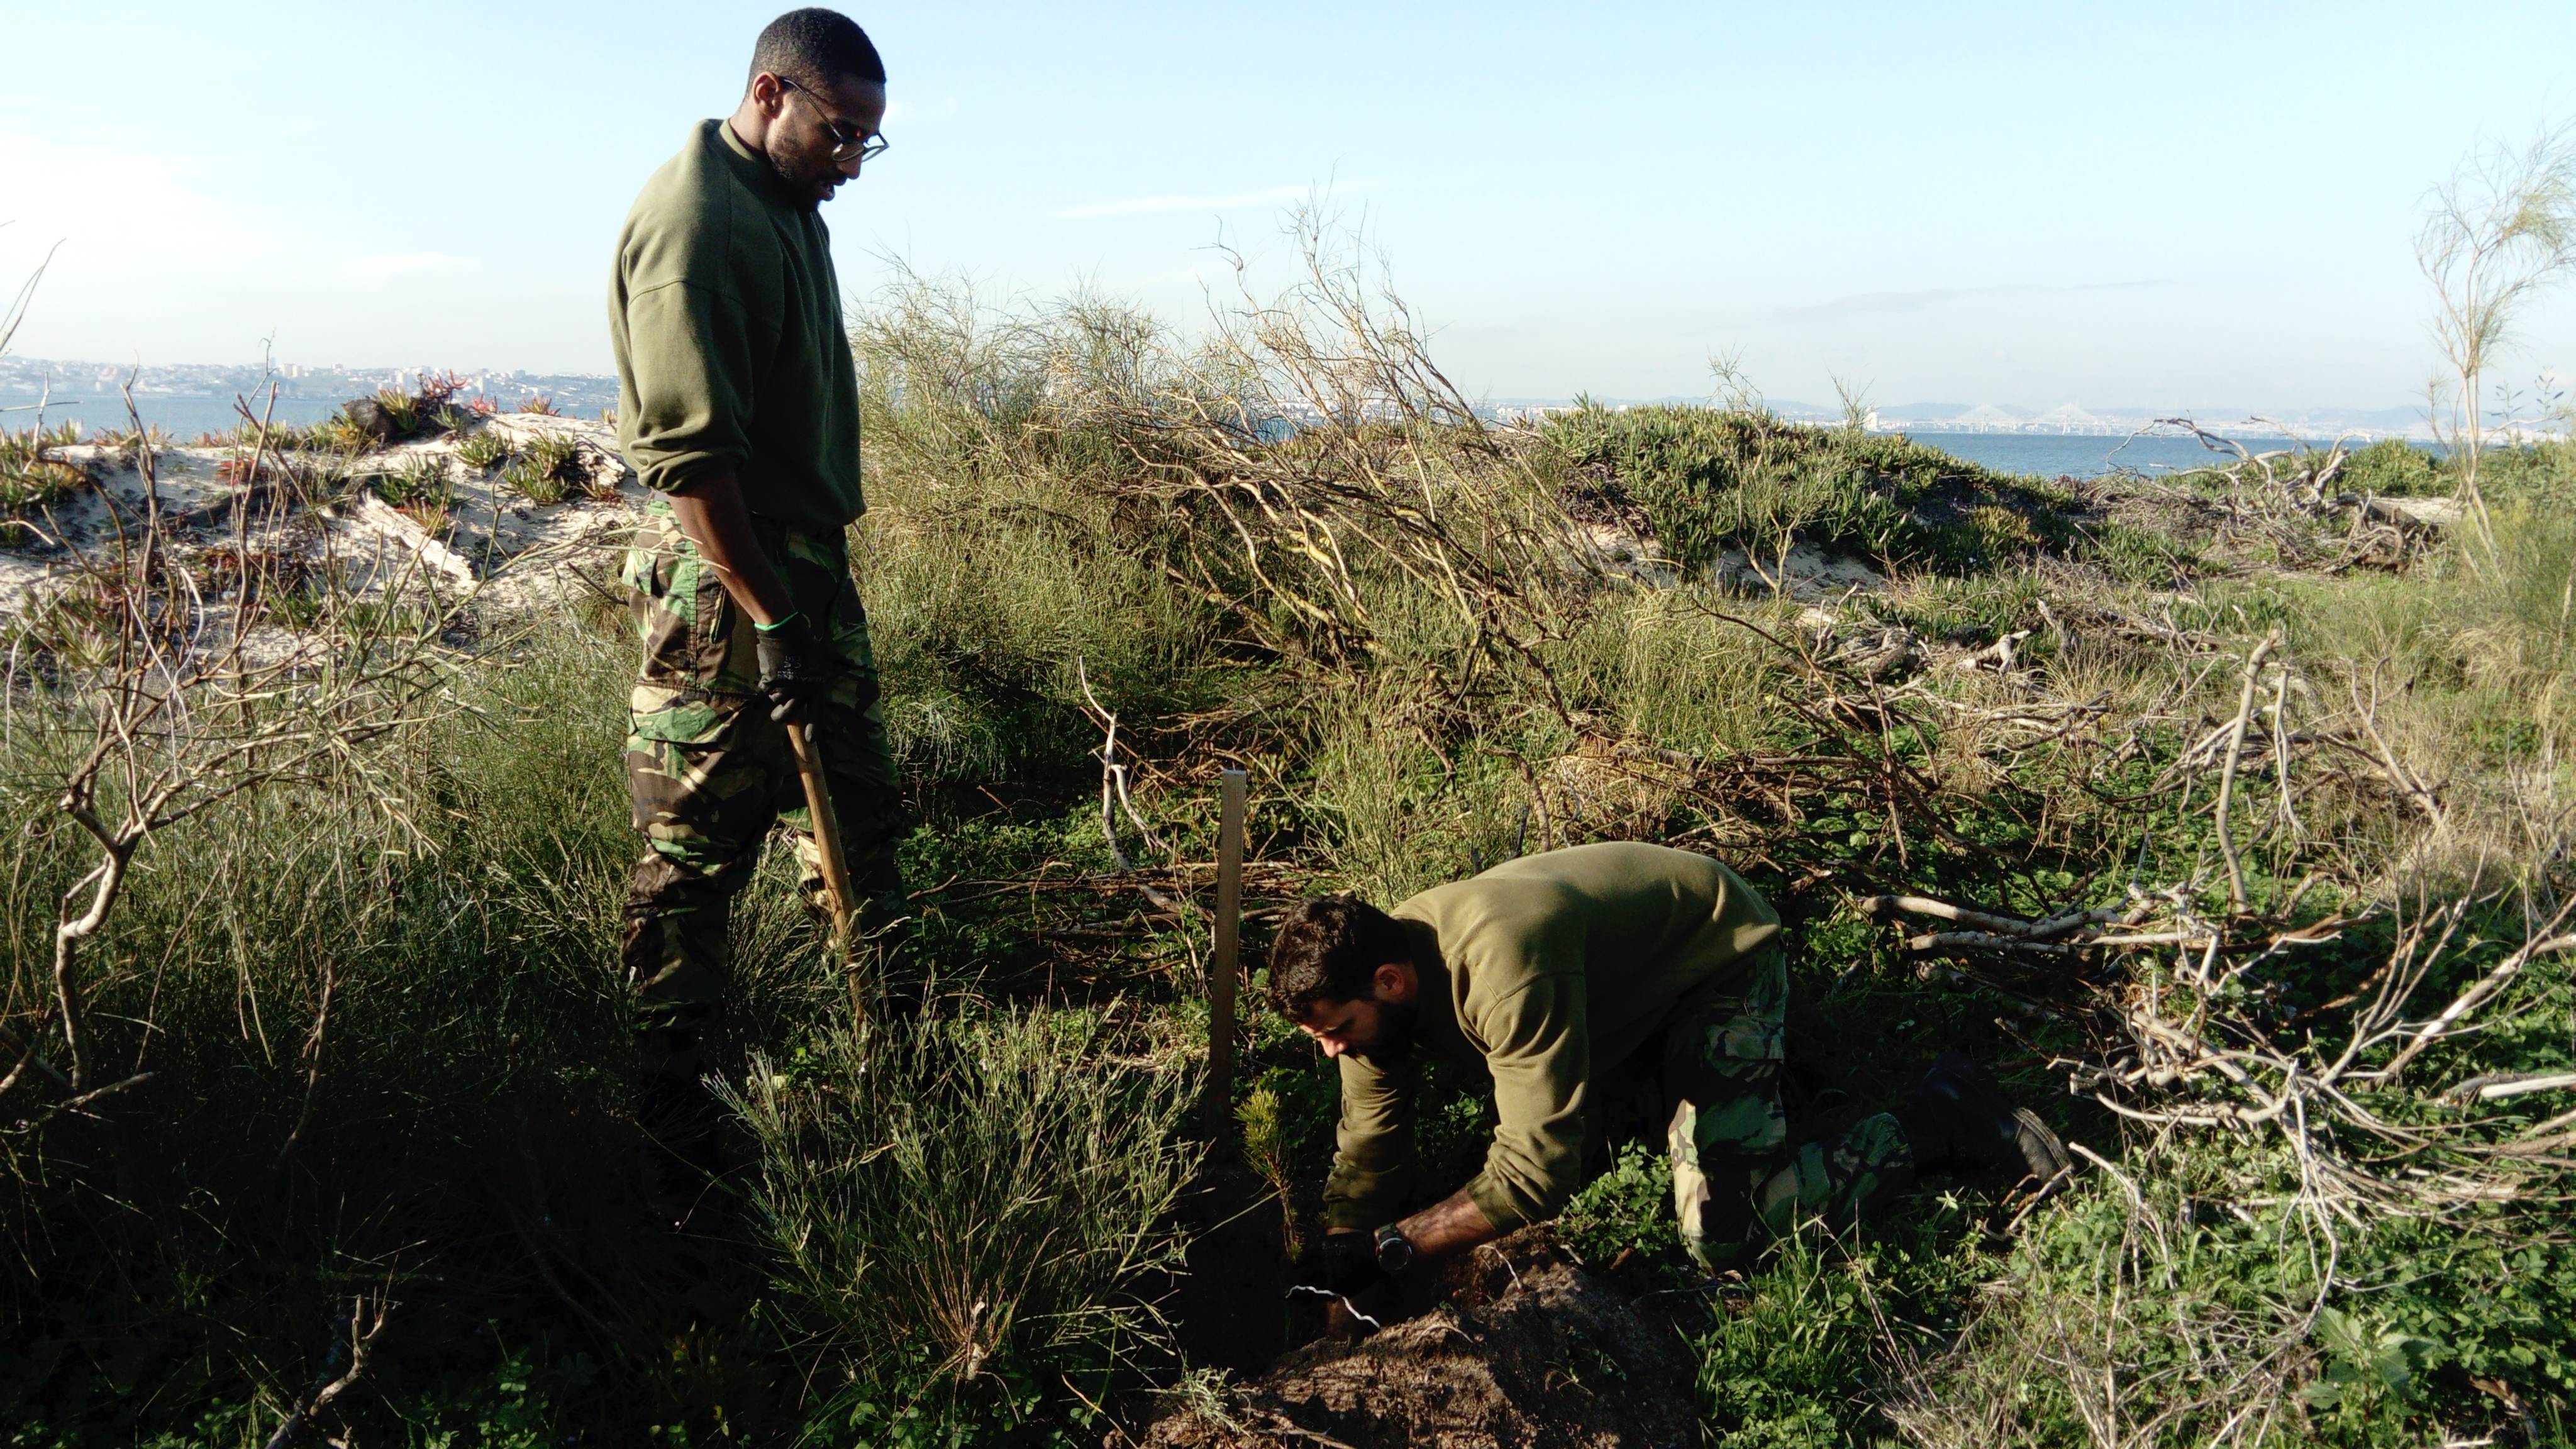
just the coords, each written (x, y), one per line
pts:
(1341, 1263)
(794, 670)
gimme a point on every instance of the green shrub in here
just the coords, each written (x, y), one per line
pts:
(2396, 468)
(1626, 1210)
(1806, 1350)
(956, 1196)
(1711, 481)
(336, 434)
(2140, 1306)
(454, 916)
(403, 409)
(993, 561)
(2544, 471)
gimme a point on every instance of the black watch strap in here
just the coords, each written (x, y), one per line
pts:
(1394, 1250)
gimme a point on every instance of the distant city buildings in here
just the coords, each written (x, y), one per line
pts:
(68, 381)
(2067, 419)
(588, 393)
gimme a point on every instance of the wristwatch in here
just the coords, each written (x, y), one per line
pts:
(1394, 1250)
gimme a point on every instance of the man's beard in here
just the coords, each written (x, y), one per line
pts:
(781, 167)
(1395, 1020)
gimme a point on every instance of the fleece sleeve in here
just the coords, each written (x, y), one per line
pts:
(691, 353)
(1538, 1046)
(1372, 1175)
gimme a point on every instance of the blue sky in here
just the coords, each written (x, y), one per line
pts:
(2162, 204)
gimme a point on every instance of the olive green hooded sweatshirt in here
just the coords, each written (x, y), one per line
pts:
(1541, 972)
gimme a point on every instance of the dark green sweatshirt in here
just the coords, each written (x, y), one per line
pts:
(1541, 971)
(726, 318)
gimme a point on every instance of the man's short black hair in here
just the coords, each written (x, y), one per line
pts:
(815, 48)
(1328, 949)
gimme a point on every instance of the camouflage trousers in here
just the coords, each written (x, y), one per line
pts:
(711, 773)
(1727, 1134)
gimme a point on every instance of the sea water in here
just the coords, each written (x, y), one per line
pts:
(181, 415)
(2089, 455)
(2045, 454)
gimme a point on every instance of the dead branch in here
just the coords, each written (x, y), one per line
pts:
(2227, 772)
(2480, 992)
(2497, 1086)
(1998, 656)
(342, 1367)
(181, 719)
(1113, 791)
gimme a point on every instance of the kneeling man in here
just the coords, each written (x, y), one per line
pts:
(1548, 972)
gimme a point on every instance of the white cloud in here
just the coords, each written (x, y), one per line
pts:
(1220, 201)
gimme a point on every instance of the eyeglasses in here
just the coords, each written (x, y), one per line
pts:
(849, 143)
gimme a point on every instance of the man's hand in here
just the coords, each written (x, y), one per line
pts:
(1341, 1264)
(794, 669)
(1452, 1225)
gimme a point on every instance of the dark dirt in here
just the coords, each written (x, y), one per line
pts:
(1527, 1351)
(1229, 1302)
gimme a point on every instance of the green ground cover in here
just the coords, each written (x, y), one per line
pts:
(379, 1003)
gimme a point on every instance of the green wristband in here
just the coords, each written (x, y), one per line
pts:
(781, 623)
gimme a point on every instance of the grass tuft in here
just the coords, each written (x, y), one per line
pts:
(956, 1197)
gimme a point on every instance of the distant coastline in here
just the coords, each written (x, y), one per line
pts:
(192, 399)
(2082, 455)
(2323, 424)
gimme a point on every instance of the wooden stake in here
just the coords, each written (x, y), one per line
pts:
(1222, 972)
(836, 866)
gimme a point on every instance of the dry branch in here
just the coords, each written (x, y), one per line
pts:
(184, 715)
(2227, 772)
(341, 1368)
(1113, 792)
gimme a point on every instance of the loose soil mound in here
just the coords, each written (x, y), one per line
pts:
(1528, 1351)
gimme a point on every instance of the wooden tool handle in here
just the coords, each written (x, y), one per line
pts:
(836, 866)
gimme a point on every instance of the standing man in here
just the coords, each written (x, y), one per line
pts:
(738, 408)
(1549, 971)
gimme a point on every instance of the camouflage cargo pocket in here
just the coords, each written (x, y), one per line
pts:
(699, 770)
(674, 737)
(683, 616)
(1722, 1064)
